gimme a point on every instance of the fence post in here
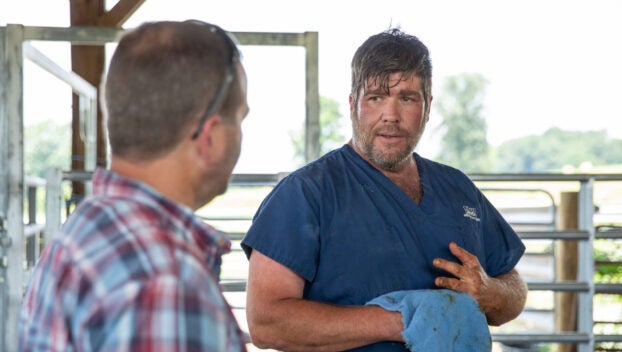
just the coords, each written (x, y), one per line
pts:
(566, 256)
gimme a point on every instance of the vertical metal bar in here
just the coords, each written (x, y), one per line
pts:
(31, 241)
(312, 120)
(585, 272)
(14, 283)
(53, 203)
(4, 170)
(88, 124)
(3, 126)
(32, 204)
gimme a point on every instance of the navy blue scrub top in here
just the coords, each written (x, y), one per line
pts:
(353, 235)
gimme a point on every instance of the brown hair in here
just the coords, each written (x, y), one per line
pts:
(161, 79)
(392, 51)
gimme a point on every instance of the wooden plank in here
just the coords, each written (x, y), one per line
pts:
(87, 61)
(120, 13)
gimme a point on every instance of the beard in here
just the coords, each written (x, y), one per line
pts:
(388, 156)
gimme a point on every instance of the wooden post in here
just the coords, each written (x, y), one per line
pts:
(89, 61)
(566, 260)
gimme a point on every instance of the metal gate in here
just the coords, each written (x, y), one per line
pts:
(14, 47)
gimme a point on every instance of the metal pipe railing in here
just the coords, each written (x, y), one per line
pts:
(584, 286)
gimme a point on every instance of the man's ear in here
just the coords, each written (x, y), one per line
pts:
(207, 132)
(351, 102)
(428, 109)
(207, 140)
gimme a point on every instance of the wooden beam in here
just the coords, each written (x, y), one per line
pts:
(120, 13)
(88, 62)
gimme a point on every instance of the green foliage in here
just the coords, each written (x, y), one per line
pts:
(46, 145)
(330, 130)
(557, 148)
(608, 251)
(464, 144)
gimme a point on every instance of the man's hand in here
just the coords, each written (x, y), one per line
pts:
(501, 298)
(470, 276)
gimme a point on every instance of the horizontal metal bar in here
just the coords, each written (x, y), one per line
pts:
(609, 234)
(233, 286)
(78, 35)
(558, 337)
(262, 38)
(531, 177)
(554, 235)
(33, 229)
(227, 218)
(93, 35)
(545, 177)
(559, 286)
(600, 288)
(608, 338)
(569, 235)
(272, 179)
(77, 175)
(256, 179)
(79, 85)
(33, 181)
(236, 236)
(532, 223)
(614, 289)
(568, 337)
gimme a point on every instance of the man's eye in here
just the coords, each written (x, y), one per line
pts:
(411, 99)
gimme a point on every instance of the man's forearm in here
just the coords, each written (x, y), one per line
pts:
(302, 325)
(511, 296)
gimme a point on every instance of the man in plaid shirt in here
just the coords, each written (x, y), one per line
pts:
(133, 269)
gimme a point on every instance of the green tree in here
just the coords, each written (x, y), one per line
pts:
(464, 144)
(47, 144)
(556, 148)
(331, 136)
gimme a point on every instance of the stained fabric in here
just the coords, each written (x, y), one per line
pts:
(439, 320)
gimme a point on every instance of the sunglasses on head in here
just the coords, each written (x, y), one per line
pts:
(233, 58)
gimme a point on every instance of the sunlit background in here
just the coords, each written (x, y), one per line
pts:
(547, 63)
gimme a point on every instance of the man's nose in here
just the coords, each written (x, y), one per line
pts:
(391, 112)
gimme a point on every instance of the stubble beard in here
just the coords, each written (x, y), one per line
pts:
(389, 158)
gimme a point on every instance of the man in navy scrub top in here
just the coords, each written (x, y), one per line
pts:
(375, 217)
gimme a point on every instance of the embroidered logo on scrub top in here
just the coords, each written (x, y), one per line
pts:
(470, 213)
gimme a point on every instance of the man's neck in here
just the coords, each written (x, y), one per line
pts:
(165, 175)
(405, 175)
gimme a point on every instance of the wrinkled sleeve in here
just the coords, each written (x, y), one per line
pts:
(286, 227)
(504, 247)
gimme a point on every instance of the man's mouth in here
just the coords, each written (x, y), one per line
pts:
(391, 136)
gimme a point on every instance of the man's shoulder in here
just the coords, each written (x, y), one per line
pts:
(107, 216)
(107, 229)
(439, 169)
(321, 167)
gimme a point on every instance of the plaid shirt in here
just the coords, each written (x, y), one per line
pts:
(129, 271)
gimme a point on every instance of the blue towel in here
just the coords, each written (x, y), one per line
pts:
(439, 320)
